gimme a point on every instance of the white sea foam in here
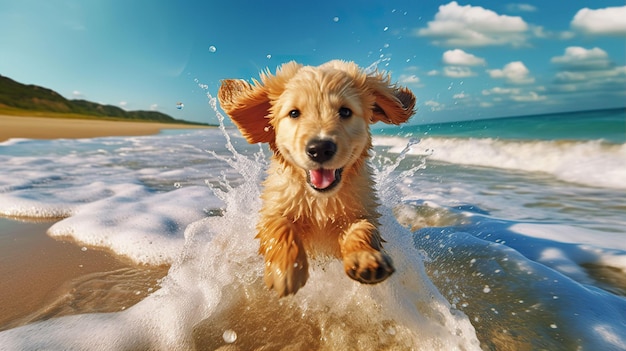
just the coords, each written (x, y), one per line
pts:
(572, 248)
(148, 229)
(592, 163)
(13, 141)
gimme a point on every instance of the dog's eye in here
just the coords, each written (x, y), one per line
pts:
(345, 112)
(294, 113)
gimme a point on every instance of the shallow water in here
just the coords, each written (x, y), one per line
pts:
(45, 278)
(487, 257)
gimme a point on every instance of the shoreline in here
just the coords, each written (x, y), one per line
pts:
(44, 277)
(31, 127)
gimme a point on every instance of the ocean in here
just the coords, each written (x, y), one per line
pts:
(507, 234)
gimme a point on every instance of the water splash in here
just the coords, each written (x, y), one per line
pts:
(385, 167)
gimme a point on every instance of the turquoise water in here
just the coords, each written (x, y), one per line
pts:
(608, 125)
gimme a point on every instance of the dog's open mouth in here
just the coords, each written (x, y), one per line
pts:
(324, 179)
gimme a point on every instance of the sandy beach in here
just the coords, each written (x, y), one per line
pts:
(43, 277)
(56, 128)
(65, 278)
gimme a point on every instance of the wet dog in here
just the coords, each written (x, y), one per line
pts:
(319, 195)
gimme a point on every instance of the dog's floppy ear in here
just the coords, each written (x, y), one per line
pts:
(394, 104)
(248, 106)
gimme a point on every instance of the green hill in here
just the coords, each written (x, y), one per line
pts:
(18, 98)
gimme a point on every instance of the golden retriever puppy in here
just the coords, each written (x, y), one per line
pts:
(319, 196)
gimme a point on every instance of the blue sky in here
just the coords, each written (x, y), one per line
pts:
(463, 60)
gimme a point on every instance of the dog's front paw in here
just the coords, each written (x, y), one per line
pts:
(286, 277)
(369, 267)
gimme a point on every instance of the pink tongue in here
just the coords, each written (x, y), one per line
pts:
(322, 178)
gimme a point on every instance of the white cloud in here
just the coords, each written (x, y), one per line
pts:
(577, 57)
(154, 107)
(472, 26)
(434, 105)
(500, 96)
(521, 8)
(606, 21)
(501, 91)
(459, 57)
(433, 72)
(461, 95)
(458, 72)
(587, 70)
(565, 35)
(77, 94)
(615, 74)
(531, 96)
(123, 104)
(540, 32)
(514, 73)
(409, 79)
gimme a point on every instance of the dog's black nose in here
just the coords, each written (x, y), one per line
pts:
(321, 151)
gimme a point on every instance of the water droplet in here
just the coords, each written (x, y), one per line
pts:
(267, 128)
(553, 326)
(180, 105)
(177, 185)
(229, 336)
(335, 19)
(212, 48)
(486, 289)
(83, 249)
(385, 29)
(391, 331)
(269, 56)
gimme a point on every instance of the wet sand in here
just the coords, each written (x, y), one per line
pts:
(56, 128)
(43, 277)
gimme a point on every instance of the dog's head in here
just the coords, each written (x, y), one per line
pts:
(316, 118)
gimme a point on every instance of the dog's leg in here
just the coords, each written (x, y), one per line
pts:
(363, 258)
(286, 266)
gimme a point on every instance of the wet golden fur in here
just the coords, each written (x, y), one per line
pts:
(296, 218)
